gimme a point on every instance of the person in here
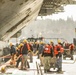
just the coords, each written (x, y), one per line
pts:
(47, 53)
(52, 46)
(41, 46)
(71, 47)
(53, 58)
(17, 57)
(66, 45)
(12, 52)
(31, 52)
(36, 48)
(18, 54)
(58, 53)
(25, 49)
(52, 43)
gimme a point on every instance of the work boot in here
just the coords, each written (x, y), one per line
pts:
(59, 70)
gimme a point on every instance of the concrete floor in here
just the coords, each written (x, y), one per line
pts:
(68, 66)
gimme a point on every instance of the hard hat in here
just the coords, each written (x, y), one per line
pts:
(21, 44)
(25, 41)
(18, 46)
(41, 42)
(11, 44)
(51, 41)
(59, 41)
(3, 70)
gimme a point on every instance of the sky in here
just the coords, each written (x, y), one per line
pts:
(69, 11)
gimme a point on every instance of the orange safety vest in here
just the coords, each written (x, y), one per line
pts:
(56, 51)
(47, 49)
(62, 50)
(28, 46)
(71, 47)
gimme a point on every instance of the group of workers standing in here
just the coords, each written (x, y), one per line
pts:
(50, 53)
(45, 52)
(21, 54)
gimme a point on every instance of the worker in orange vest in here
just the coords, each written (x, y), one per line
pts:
(24, 51)
(71, 47)
(19, 54)
(12, 52)
(58, 53)
(31, 51)
(47, 53)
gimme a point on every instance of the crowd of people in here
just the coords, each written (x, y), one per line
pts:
(46, 52)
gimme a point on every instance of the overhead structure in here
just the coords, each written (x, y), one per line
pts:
(16, 14)
(54, 6)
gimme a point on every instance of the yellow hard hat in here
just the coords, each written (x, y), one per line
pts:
(18, 46)
(21, 44)
(51, 41)
(11, 44)
(3, 70)
(59, 41)
(25, 41)
(41, 42)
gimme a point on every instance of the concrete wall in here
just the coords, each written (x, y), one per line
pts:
(51, 29)
(2, 45)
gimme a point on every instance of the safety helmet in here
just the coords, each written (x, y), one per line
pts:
(11, 44)
(25, 41)
(21, 44)
(51, 41)
(41, 42)
(3, 70)
(59, 41)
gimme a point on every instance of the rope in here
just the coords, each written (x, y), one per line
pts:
(6, 56)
